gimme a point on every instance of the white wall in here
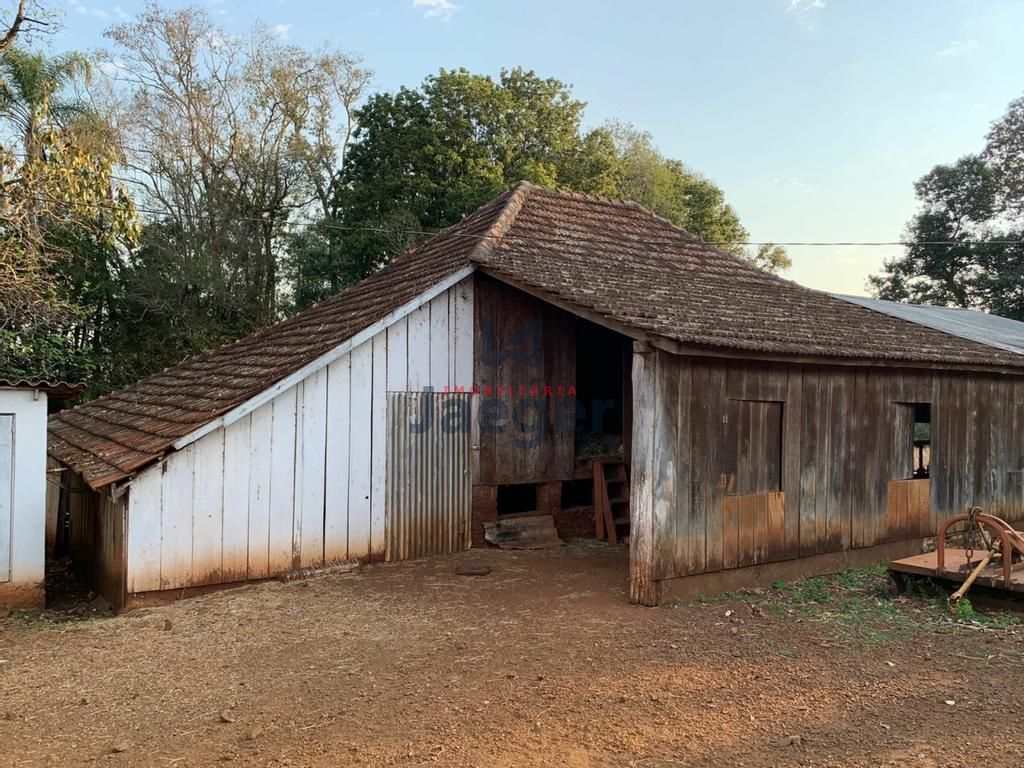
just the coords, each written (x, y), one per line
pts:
(23, 537)
(299, 481)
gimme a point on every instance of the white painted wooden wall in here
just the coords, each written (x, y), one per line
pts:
(22, 493)
(300, 480)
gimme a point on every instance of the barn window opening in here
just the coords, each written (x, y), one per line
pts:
(516, 499)
(754, 447)
(578, 493)
(922, 440)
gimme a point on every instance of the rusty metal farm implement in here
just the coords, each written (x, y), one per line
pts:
(990, 552)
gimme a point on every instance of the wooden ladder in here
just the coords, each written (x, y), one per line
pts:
(611, 500)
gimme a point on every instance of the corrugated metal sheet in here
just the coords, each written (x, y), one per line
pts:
(991, 330)
(54, 388)
(429, 484)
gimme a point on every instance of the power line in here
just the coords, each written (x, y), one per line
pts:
(580, 239)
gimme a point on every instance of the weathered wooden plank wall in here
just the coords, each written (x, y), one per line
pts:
(521, 341)
(96, 542)
(845, 458)
(300, 481)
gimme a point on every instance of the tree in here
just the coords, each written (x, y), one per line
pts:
(423, 158)
(230, 141)
(31, 89)
(19, 18)
(63, 197)
(1004, 151)
(964, 244)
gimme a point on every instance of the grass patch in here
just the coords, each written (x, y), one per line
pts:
(863, 606)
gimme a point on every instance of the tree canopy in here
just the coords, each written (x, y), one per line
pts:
(964, 244)
(189, 186)
(422, 158)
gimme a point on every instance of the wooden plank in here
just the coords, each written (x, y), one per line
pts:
(823, 474)
(642, 585)
(697, 436)
(772, 447)
(967, 492)
(440, 341)
(311, 483)
(671, 513)
(398, 357)
(282, 482)
(235, 531)
(557, 455)
(902, 509)
(876, 458)
(296, 550)
(855, 496)
(691, 508)
(759, 504)
(337, 481)
(713, 492)
(942, 442)
(746, 476)
(145, 507)
(176, 520)
(730, 531)
(519, 321)
(208, 509)
(922, 508)
(379, 432)
(462, 304)
(792, 435)
(777, 517)
(892, 511)
(260, 461)
(809, 405)
(419, 349)
(486, 374)
(838, 537)
(982, 479)
(747, 533)
(359, 452)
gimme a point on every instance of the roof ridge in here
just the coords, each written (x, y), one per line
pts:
(503, 221)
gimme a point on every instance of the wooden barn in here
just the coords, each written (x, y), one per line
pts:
(551, 355)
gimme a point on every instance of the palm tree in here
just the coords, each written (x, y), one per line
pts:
(33, 94)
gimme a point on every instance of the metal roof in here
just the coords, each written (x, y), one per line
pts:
(55, 388)
(991, 330)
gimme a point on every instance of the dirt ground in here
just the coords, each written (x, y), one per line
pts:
(541, 663)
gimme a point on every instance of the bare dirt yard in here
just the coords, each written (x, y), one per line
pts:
(541, 663)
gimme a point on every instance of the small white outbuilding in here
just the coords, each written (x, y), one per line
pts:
(23, 412)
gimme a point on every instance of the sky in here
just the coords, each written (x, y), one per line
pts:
(814, 116)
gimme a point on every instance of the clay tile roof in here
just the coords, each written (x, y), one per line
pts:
(606, 258)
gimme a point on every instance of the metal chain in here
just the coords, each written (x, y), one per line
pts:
(972, 524)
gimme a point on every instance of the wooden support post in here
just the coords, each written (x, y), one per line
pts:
(642, 585)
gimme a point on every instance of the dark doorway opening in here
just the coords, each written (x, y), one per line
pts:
(517, 499)
(603, 391)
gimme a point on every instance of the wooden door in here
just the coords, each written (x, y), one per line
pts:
(6, 493)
